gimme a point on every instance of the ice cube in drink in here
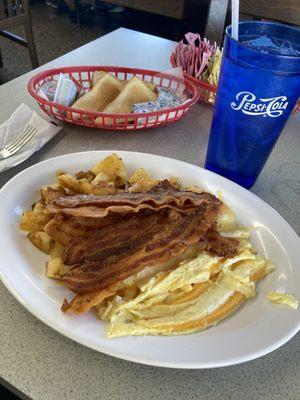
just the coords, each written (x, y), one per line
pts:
(267, 44)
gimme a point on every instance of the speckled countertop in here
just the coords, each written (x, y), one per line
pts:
(39, 363)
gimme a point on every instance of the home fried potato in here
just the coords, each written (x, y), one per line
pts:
(68, 181)
(100, 177)
(59, 172)
(85, 187)
(85, 174)
(45, 190)
(56, 250)
(32, 221)
(55, 268)
(175, 182)
(50, 194)
(113, 166)
(143, 185)
(41, 240)
(139, 174)
(38, 207)
(141, 181)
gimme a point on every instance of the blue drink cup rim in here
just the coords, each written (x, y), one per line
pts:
(248, 56)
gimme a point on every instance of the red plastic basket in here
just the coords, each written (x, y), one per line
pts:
(83, 74)
(206, 92)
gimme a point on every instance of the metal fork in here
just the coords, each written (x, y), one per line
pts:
(15, 145)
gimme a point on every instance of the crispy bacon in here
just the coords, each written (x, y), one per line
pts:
(161, 196)
(219, 245)
(63, 228)
(109, 238)
(120, 238)
(82, 303)
(121, 250)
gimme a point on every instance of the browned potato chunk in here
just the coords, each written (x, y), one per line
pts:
(85, 187)
(144, 185)
(41, 240)
(55, 268)
(138, 175)
(174, 182)
(38, 207)
(101, 177)
(56, 250)
(60, 172)
(68, 181)
(113, 166)
(85, 174)
(50, 194)
(33, 222)
(45, 190)
(141, 181)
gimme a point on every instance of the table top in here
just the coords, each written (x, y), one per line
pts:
(39, 363)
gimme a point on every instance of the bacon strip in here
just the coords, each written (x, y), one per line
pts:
(124, 249)
(82, 303)
(62, 228)
(161, 196)
(110, 238)
(219, 245)
(120, 238)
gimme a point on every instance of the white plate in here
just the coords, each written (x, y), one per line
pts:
(257, 328)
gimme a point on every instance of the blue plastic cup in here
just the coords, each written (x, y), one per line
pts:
(258, 89)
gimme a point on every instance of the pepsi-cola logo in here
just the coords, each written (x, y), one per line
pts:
(250, 105)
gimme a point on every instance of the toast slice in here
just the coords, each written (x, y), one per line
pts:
(135, 91)
(104, 92)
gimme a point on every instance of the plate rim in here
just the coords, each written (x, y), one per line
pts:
(118, 354)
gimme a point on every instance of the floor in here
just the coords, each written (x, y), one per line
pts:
(55, 33)
(49, 29)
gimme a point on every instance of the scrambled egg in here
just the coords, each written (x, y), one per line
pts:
(282, 298)
(196, 294)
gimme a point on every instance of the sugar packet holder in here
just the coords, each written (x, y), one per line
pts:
(66, 91)
(165, 99)
(151, 107)
(167, 96)
(63, 90)
(177, 87)
(48, 89)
